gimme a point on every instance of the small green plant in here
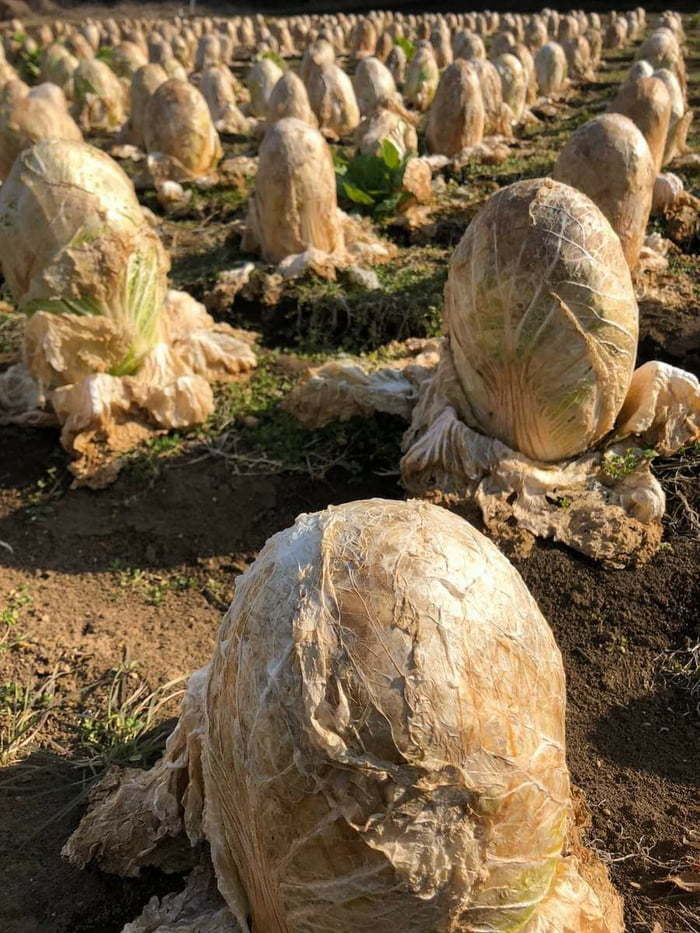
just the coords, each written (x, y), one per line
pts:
(564, 503)
(29, 63)
(617, 642)
(681, 669)
(153, 587)
(40, 500)
(123, 731)
(217, 593)
(24, 710)
(105, 54)
(408, 47)
(616, 467)
(16, 600)
(372, 183)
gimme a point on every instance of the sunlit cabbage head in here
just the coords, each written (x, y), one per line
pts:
(542, 320)
(73, 240)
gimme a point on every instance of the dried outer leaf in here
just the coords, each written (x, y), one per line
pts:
(134, 815)
(542, 321)
(103, 415)
(228, 284)
(198, 908)
(214, 350)
(21, 399)
(662, 408)
(417, 182)
(343, 389)
(667, 191)
(62, 349)
(609, 160)
(573, 502)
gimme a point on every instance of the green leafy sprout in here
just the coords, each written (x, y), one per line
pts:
(616, 466)
(372, 183)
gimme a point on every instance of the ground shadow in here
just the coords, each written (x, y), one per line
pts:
(41, 801)
(653, 733)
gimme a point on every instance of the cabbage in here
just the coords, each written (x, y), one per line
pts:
(99, 97)
(550, 69)
(179, 133)
(262, 78)
(127, 58)
(332, 98)
(397, 63)
(578, 58)
(58, 66)
(361, 754)
(294, 206)
(373, 82)
(647, 102)
(144, 83)
(422, 78)
(218, 89)
(388, 121)
(28, 116)
(74, 241)
(469, 45)
(609, 160)
(514, 82)
(316, 55)
(456, 116)
(542, 321)
(289, 98)
(363, 39)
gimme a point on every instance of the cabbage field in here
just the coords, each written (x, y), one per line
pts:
(349, 471)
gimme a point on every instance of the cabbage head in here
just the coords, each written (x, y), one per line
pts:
(372, 759)
(74, 241)
(542, 321)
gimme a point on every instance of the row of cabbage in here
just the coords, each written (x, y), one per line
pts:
(112, 354)
(379, 740)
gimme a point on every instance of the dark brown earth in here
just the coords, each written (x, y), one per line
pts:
(139, 573)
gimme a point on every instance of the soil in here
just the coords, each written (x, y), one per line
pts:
(139, 574)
